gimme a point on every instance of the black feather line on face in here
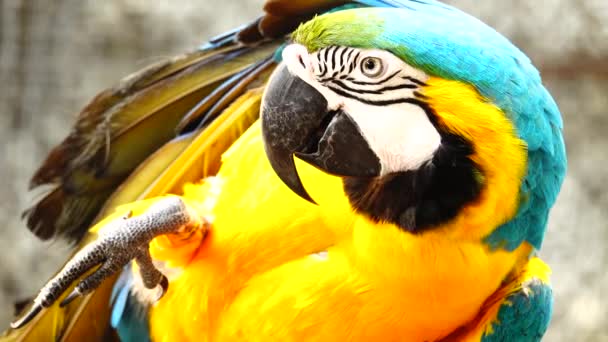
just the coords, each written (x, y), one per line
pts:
(379, 91)
(421, 199)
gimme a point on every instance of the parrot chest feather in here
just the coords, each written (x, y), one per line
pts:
(259, 273)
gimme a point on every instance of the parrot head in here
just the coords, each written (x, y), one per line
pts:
(430, 117)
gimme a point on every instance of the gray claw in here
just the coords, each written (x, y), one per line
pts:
(67, 300)
(34, 310)
(164, 286)
(118, 243)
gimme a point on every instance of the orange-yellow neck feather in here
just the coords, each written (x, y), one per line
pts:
(498, 153)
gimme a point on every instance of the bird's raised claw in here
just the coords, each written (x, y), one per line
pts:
(118, 243)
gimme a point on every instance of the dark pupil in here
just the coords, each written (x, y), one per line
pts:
(370, 64)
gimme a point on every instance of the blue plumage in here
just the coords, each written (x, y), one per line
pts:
(524, 316)
(129, 317)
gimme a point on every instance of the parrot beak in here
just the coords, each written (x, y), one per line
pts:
(296, 120)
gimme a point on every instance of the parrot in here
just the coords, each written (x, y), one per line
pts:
(332, 171)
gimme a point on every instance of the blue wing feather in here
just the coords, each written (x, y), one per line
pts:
(525, 314)
(129, 317)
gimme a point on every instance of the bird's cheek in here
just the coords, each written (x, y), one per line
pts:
(402, 137)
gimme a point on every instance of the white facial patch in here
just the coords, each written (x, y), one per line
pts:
(380, 103)
(401, 135)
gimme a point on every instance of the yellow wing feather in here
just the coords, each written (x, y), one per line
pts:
(116, 132)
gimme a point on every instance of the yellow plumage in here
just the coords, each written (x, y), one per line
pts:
(498, 152)
(264, 261)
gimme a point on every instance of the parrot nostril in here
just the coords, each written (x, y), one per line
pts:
(298, 56)
(301, 61)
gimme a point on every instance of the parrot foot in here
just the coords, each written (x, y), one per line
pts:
(118, 243)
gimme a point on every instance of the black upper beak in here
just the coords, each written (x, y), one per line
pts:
(296, 120)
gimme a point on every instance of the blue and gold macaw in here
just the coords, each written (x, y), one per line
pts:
(377, 170)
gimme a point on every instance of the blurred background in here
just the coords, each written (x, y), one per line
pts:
(56, 55)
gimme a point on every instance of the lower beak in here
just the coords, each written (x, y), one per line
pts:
(296, 120)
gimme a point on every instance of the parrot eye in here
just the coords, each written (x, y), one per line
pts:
(372, 67)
